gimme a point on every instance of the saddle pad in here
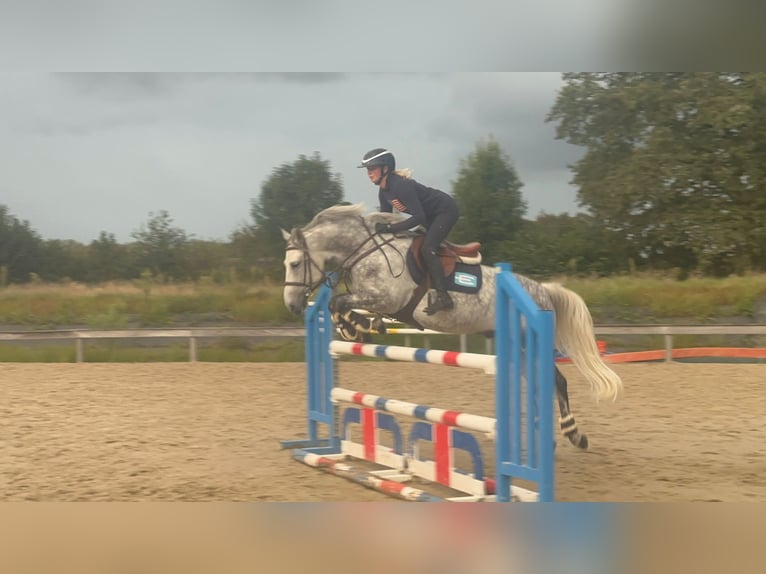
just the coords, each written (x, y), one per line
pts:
(465, 279)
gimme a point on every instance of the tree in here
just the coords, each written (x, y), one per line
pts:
(212, 259)
(556, 244)
(674, 163)
(291, 196)
(107, 259)
(63, 259)
(161, 248)
(488, 194)
(20, 248)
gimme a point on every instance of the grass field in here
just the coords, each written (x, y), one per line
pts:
(644, 299)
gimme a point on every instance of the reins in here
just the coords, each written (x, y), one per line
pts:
(346, 266)
(356, 255)
(308, 262)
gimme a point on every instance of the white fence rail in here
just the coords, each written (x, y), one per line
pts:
(79, 336)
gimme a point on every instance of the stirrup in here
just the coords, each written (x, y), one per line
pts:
(442, 302)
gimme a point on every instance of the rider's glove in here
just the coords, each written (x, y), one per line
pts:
(383, 228)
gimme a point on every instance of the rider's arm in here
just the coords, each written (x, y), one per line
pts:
(406, 193)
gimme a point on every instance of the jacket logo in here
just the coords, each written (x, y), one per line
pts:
(466, 279)
(398, 205)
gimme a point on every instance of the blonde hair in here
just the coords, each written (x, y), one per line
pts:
(404, 172)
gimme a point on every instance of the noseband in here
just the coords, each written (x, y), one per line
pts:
(352, 259)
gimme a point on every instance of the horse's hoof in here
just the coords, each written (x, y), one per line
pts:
(347, 331)
(583, 443)
(379, 326)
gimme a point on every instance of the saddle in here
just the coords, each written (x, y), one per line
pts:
(449, 253)
(454, 258)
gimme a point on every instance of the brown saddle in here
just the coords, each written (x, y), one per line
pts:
(449, 253)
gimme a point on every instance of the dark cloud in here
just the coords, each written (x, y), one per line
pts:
(512, 110)
(200, 146)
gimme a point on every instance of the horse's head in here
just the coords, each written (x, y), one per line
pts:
(328, 239)
(302, 273)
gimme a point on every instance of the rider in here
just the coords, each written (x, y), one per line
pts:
(431, 208)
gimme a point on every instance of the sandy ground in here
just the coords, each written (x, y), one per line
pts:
(211, 432)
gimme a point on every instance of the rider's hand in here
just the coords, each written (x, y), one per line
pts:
(383, 228)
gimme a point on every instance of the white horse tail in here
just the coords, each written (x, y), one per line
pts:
(575, 337)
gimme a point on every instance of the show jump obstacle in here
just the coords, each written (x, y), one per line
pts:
(522, 429)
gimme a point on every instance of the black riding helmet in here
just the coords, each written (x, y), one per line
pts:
(379, 156)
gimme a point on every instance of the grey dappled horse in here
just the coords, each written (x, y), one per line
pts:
(373, 267)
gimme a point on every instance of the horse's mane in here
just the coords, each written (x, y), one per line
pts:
(335, 213)
(344, 213)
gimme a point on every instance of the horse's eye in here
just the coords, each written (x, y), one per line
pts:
(294, 264)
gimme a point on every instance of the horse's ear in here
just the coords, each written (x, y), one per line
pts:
(285, 234)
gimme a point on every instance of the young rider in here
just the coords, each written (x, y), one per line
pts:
(431, 208)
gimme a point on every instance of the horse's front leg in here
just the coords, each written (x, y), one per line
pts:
(343, 302)
(353, 325)
(567, 421)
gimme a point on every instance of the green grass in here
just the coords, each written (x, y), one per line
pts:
(658, 299)
(289, 351)
(634, 299)
(118, 306)
(626, 299)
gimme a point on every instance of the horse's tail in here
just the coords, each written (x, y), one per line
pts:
(575, 337)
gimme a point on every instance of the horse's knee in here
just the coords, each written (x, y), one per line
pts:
(338, 304)
(332, 304)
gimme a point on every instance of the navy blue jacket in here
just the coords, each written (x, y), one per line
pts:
(415, 199)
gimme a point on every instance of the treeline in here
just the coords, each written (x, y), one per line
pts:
(160, 251)
(672, 178)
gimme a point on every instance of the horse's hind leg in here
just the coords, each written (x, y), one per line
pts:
(567, 421)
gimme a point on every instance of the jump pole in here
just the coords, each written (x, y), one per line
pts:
(532, 461)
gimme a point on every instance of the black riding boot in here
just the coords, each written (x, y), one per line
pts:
(442, 301)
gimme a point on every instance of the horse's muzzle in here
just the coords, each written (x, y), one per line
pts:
(296, 309)
(298, 306)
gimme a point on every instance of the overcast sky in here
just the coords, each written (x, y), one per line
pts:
(81, 154)
(85, 153)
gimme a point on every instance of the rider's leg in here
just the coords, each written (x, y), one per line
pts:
(437, 232)
(442, 301)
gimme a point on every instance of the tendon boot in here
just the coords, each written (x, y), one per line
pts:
(442, 301)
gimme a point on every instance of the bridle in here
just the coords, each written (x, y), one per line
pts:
(308, 264)
(330, 277)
